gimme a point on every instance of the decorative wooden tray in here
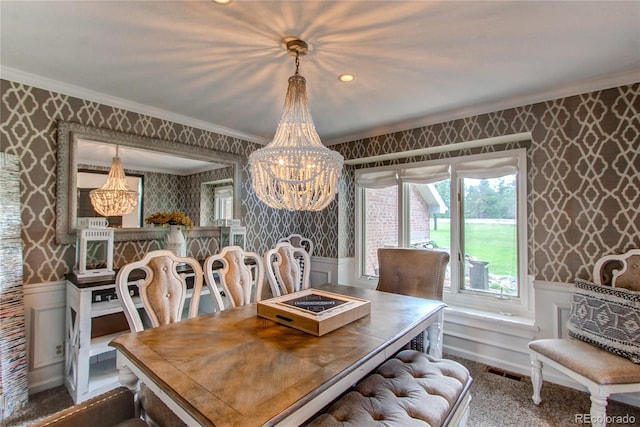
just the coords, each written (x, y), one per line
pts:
(314, 311)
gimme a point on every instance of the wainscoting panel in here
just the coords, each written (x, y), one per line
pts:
(323, 270)
(44, 318)
(47, 349)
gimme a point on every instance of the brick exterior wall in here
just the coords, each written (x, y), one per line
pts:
(382, 221)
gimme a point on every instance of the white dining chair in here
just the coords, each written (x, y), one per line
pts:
(299, 241)
(288, 269)
(240, 273)
(163, 292)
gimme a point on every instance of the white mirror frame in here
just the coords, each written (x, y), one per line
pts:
(66, 183)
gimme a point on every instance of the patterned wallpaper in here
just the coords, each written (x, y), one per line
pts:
(28, 130)
(584, 179)
(584, 175)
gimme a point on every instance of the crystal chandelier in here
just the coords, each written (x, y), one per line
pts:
(295, 171)
(114, 198)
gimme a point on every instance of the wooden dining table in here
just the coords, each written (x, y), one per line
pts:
(234, 368)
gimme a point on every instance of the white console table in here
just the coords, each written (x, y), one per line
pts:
(90, 325)
(82, 378)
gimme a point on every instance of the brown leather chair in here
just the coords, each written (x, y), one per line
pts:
(113, 408)
(414, 272)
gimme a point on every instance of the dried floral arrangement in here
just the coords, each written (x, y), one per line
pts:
(170, 218)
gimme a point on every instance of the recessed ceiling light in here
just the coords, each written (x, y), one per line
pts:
(347, 77)
(223, 2)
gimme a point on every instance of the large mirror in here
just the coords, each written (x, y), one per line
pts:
(201, 182)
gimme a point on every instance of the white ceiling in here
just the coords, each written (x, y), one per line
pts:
(101, 154)
(223, 68)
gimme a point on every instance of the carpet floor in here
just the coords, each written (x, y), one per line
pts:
(498, 400)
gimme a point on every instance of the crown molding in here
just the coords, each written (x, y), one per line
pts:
(34, 80)
(571, 89)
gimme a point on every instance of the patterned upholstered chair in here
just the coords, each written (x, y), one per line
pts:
(288, 269)
(299, 241)
(603, 353)
(163, 293)
(241, 282)
(418, 273)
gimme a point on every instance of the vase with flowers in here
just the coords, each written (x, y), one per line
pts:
(177, 222)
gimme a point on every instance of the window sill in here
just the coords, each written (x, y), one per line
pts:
(473, 317)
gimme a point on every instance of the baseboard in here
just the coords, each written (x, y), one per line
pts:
(45, 384)
(486, 360)
(549, 374)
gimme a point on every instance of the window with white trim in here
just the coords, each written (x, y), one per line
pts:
(473, 207)
(223, 197)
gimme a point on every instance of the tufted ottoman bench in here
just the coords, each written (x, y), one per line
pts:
(410, 389)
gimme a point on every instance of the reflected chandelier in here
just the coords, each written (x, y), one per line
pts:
(296, 171)
(114, 198)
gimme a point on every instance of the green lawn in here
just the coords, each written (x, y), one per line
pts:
(494, 243)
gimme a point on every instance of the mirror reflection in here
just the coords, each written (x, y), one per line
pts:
(168, 176)
(164, 184)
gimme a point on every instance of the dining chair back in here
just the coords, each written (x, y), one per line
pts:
(417, 273)
(299, 241)
(619, 271)
(288, 269)
(414, 272)
(163, 290)
(240, 273)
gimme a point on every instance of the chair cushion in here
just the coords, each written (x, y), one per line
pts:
(411, 389)
(589, 361)
(607, 317)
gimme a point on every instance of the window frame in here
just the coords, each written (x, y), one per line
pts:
(455, 295)
(222, 197)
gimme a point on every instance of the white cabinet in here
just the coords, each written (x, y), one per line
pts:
(84, 344)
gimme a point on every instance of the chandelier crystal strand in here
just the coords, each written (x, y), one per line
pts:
(296, 171)
(114, 198)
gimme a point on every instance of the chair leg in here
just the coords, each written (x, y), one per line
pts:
(434, 336)
(598, 409)
(418, 343)
(536, 378)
